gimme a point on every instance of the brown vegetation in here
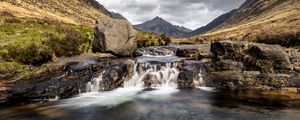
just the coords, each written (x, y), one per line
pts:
(81, 12)
(264, 21)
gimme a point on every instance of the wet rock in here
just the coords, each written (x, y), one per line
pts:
(224, 80)
(115, 74)
(252, 66)
(65, 82)
(114, 36)
(194, 51)
(190, 74)
(284, 94)
(155, 51)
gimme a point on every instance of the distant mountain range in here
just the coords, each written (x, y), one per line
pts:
(160, 26)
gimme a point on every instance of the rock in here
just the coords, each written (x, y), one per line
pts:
(228, 50)
(114, 36)
(247, 80)
(224, 80)
(115, 74)
(278, 97)
(155, 51)
(274, 54)
(194, 51)
(225, 65)
(190, 74)
(66, 82)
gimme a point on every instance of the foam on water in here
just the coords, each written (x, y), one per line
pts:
(155, 72)
(107, 99)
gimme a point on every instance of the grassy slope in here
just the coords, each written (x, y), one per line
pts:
(33, 32)
(260, 19)
(82, 12)
(19, 35)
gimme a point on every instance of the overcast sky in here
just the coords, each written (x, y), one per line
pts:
(189, 13)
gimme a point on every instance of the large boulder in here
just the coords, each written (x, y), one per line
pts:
(114, 36)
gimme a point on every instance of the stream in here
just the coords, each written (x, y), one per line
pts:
(151, 94)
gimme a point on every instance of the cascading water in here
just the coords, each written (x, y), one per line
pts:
(94, 84)
(147, 74)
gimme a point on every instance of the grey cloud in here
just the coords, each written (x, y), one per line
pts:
(189, 13)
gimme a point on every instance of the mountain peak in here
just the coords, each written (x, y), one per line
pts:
(160, 26)
(159, 20)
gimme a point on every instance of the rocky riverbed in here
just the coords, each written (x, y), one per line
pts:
(223, 65)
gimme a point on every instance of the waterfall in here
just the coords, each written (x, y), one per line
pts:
(154, 74)
(94, 84)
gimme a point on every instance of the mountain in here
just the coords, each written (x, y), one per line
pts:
(215, 23)
(269, 21)
(161, 26)
(118, 16)
(81, 12)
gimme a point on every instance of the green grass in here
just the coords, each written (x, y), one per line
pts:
(28, 43)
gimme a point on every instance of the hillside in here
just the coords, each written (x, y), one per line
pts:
(161, 26)
(215, 23)
(117, 16)
(34, 33)
(80, 12)
(268, 21)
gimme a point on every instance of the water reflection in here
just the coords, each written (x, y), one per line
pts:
(150, 104)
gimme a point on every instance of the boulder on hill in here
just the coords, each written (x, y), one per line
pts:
(114, 36)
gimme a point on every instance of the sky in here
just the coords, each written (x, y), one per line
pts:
(188, 13)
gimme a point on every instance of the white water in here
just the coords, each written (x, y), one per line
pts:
(153, 75)
(94, 84)
(161, 76)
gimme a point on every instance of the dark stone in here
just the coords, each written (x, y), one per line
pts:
(271, 53)
(228, 50)
(194, 51)
(190, 74)
(65, 82)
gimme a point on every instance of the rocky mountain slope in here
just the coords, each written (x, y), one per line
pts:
(161, 26)
(81, 12)
(118, 16)
(268, 21)
(215, 23)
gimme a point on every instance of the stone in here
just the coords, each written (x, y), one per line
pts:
(65, 82)
(224, 80)
(199, 51)
(155, 51)
(190, 74)
(274, 54)
(228, 50)
(114, 36)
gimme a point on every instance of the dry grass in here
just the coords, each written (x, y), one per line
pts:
(69, 11)
(277, 24)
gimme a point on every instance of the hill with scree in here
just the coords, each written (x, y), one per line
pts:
(266, 21)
